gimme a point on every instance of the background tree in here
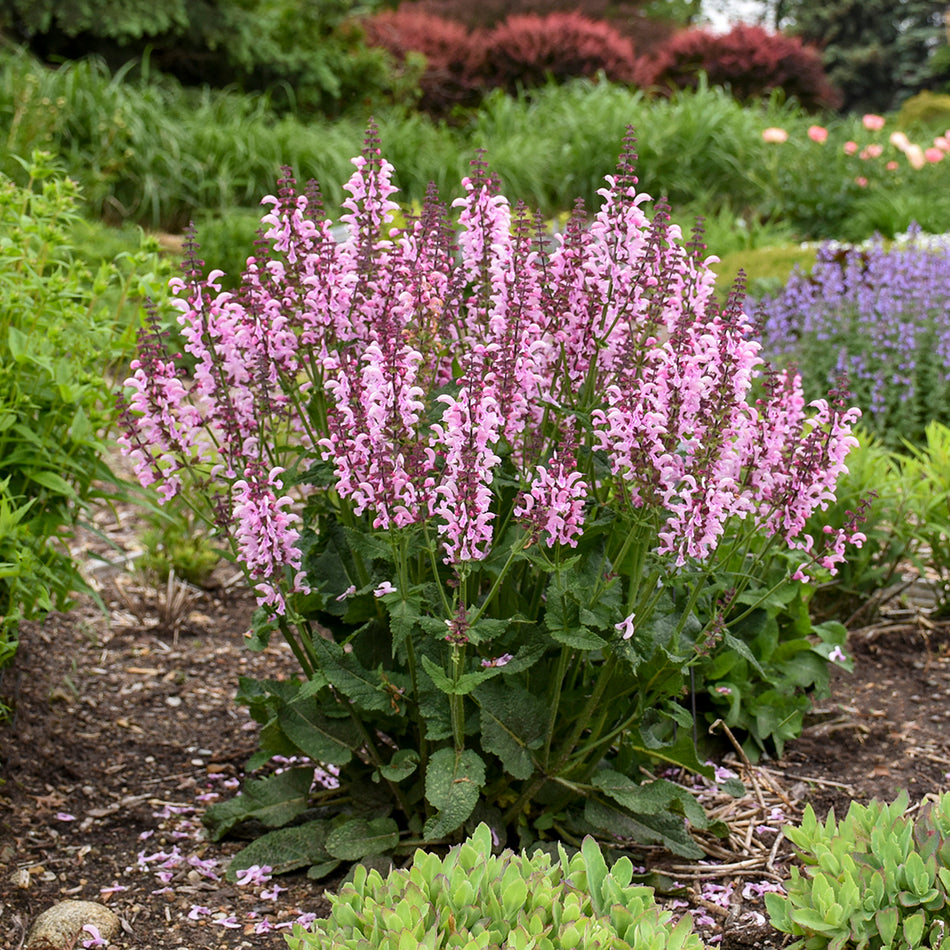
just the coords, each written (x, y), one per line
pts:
(877, 52)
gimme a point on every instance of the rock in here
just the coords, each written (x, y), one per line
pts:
(60, 927)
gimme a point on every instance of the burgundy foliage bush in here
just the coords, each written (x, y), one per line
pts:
(449, 78)
(748, 59)
(528, 50)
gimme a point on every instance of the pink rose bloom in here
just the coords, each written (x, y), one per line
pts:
(774, 135)
(861, 181)
(915, 155)
(891, 166)
(872, 151)
(899, 140)
(933, 155)
(873, 123)
(943, 143)
(817, 133)
(850, 148)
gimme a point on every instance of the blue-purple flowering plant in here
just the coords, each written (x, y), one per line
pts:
(879, 316)
(499, 493)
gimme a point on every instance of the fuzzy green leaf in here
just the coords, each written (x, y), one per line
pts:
(323, 739)
(347, 674)
(649, 798)
(458, 687)
(273, 801)
(513, 722)
(401, 765)
(643, 829)
(285, 849)
(453, 783)
(358, 838)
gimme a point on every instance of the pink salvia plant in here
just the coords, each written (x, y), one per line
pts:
(507, 472)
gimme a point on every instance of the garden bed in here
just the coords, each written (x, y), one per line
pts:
(126, 729)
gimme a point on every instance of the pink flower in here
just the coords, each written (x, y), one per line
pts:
(873, 150)
(554, 506)
(933, 155)
(861, 181)
(626, 627)
(915, 155)
(266, 534)
(873, 123)
(899, 140)
(850, 148)
(95, 938)
(837, 655)
(470, 427)
(892, 166)
(818, 133)
(943, 143)
(774, 135)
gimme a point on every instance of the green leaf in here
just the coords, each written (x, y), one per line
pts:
(887, 920)
(665, 830)
(596, 868)
(458, 687)
(358, 838)
(453, 784)
(285, 849)
(52, 481)
(513, 722)
(649, 798)
(273, 801)
(401, 765)
(347, 674)
(323, 739)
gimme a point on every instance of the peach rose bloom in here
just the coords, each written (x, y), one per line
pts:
(774, 135)
(915, 155)
(899, 141)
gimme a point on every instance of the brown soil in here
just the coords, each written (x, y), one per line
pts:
(125, 728)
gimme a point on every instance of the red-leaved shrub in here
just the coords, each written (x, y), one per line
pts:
(449, 78)
(528, 50)
(748, 59)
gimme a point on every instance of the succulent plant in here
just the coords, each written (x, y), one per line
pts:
(878, 879)
(474, 899)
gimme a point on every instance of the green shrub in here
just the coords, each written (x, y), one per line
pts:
(927, 111)
(473, 899)
(877, 879)
(312, 56)
(57, 339)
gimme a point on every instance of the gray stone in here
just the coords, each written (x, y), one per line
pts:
(60, 927)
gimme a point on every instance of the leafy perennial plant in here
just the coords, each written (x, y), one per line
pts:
(498, 493)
